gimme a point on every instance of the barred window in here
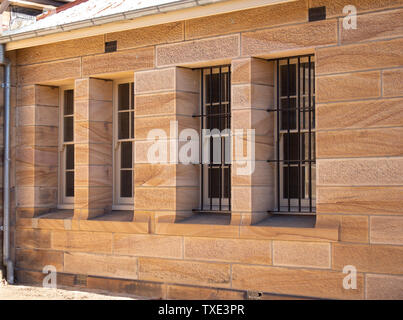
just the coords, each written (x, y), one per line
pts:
(295, 134)
(216, 118)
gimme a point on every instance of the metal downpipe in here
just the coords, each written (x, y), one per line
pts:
(6, 176)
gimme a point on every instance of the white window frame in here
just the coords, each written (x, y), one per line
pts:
(120, 203)
(64, 202)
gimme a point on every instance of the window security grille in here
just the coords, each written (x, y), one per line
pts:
(295, 134)
(215, 115)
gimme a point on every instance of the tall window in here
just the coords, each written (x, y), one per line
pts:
(124, 143)
(216, 117)
(295, 134)
(67, 146)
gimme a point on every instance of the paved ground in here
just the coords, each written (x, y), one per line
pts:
(17, 292)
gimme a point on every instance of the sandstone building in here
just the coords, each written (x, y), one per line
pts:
(321, 87)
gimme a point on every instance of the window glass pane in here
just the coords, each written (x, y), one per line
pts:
(69, 157)
(126, 183)
(305, 116)
(213, 122)
(132, 125)
(214, 191)
(218, 120)
(305, 75)
(132, 97)
(288, 80)
(123, 96)
(292, 182)
(291, 146)
(126, 155)
(69, 184)
(305, 150)
(304, 112)
(304, 95)
(213, 88)
(304, 83)
(123, 125)
(68, 129)
(224, 87)
(289, 116)
(214, 175)
(68, 102)
(227, 189)
(226, 121)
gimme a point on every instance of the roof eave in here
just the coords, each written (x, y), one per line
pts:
(21, 40)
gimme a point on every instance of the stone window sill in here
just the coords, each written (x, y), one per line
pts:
(276, 227)
(115, 221)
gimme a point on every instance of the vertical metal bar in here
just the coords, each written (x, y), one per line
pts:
(288, 134)
(278, 135)
(303, 95)
(131, 133)
(299, 138)
(211, 139)
(219, 121)
(7, 261)
(313, 123)
(309, 136)
(313, 100)
(202, 138)
(229, 127)
(132, 143)
(72, 129)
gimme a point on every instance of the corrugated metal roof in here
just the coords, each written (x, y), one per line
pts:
(89, 10)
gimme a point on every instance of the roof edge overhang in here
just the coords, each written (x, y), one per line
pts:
(172, 12)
